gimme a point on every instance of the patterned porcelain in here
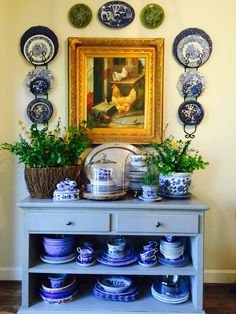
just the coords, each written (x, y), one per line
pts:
(137, 160)
(191, 112)
(178, 262)
(39, 45)
(116, 14)
(152, 15)
(40, 81)
(149, 192)
(115, 284)
(176, 184)
(192, 47)
(57, 280)
(66, 191)
(191, 84)
(80, 15)
(39, 110)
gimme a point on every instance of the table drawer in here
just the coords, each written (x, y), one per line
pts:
(81, 222)
(158, 223)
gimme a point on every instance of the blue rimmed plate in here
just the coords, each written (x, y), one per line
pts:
(191, 112)
(192, 47)
(39, 45)
(39, 110)
(191, 84)
(116, 14)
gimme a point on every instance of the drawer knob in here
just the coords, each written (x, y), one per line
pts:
(68, 223)
(158, 224)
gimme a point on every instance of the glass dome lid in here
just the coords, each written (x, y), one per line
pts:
(104, 176)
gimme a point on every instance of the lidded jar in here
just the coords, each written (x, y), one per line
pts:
(104, 176)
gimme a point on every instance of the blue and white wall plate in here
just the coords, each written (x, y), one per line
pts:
(191, 112)
(116, 14)
(191, 84)
(192, 47)
(39, 45)
(39, 81)
(39, 110)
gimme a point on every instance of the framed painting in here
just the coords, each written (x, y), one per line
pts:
(116, 85)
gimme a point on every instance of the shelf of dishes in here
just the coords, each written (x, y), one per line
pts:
(117, 251)
(63, 288)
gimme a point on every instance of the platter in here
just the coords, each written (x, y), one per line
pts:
(152, 15)
(39, 45)
(192, 47)
(116, 14)
(119, 152)
(181, 261)
(80, 15)
(191, 112)
(57, 259)
(191, 84)
(115, 263)
(39, 110)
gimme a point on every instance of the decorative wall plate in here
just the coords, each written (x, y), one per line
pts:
(39, 110)
(152, 15)
(80, 15)
(40, 81)
(191, 112)
(191, 84)
(39, 45)
(116, 14)
(192, 47)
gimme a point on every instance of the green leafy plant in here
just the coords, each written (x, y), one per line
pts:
(150, 178)
(39, 147)
(175, 156)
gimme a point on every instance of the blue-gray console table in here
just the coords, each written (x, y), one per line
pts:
(131, 218)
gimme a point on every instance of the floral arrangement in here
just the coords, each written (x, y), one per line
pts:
(39, 147)
(175, 156)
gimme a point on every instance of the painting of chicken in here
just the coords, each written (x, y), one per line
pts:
(123, 103)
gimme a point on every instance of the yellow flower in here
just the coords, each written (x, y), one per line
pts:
(174, 144)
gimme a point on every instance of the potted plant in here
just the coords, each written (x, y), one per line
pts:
(175, 161)
(150, 183)
(49, 156)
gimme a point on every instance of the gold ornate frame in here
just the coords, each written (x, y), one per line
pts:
(149, 52)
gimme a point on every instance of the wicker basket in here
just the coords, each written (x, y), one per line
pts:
(41, 182)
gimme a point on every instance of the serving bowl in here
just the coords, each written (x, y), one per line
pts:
(46, 286)
(115, 284)
(58, 246)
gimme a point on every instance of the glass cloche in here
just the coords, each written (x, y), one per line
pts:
(105, 178)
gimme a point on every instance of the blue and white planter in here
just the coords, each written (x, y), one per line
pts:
(175, 184)
(150, 192)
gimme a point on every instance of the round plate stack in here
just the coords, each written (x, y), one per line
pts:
(171, 289)
(116, 288)
(60, 295)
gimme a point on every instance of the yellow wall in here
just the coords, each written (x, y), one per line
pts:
(215, 137)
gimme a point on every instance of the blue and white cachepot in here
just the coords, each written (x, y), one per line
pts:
(175, 184)
(150, 192)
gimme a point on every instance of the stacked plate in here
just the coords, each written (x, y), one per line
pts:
(115, 288)
(171, 289)
(60, 295)
(134, 176)
(126, 257)
(172, 252)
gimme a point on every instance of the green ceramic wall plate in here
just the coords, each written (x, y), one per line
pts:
(80, 15)
(152, 15)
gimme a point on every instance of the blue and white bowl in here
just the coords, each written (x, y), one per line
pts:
(115, 284)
